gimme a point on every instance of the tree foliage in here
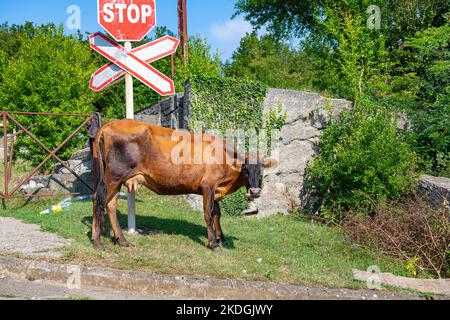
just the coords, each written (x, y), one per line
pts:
(48, 73)
(424, 87)
(403, 66)
(258, 57)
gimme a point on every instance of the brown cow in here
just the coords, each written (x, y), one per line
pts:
(130, 153)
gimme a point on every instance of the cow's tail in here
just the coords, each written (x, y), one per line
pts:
(100, 188)
(96, 142)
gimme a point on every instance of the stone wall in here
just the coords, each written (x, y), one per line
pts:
(306, 118)
(436, 190)
(172, 112)
(61, 181)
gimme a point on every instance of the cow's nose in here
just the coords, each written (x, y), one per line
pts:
(255, 192)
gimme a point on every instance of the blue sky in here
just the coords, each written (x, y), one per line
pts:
(209, 18)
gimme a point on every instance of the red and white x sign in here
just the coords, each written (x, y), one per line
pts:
(150, 52)
(135, 62)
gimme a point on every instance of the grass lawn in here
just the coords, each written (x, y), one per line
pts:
(292, 250)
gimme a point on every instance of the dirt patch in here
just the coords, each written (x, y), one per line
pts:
(28, 240)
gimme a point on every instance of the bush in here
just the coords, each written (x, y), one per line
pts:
(235, 204)
(409, 230)
(362, 160)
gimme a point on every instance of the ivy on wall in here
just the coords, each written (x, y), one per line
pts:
(226, 103)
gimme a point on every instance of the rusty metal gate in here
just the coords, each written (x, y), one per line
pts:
(9, 118)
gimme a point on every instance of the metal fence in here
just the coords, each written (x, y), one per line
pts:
(9, 119)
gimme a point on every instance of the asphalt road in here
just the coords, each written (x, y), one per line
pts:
(15, 288)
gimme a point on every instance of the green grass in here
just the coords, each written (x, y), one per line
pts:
(292, 250)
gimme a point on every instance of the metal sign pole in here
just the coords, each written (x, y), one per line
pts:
(130, 115)
(127, 29)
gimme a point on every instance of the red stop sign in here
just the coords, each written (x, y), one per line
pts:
(127, 20)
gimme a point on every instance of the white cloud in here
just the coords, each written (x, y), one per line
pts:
(227, 35)
(230, 31)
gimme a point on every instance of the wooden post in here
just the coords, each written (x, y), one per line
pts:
(183, 28)
(172, 66)
(130, 115)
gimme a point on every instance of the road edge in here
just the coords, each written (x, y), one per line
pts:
(182, 286)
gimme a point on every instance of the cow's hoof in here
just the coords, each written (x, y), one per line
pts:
(122, 243)
(221, 240)
(126, 244)
(98, 246)
(216, 248)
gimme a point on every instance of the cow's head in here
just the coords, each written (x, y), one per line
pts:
(254, 171)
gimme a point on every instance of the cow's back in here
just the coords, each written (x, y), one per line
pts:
(141, 153)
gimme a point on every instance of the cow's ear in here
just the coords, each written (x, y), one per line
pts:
(270, 163)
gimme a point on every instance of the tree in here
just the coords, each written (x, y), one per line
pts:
(403, 65)
(425, 83)
(337, 30)
(48, 74)
(258, 57)
(401, 18)
(282, 18)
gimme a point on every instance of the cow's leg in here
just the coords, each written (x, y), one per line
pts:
(218, 228)
(111, 207)
(208, 206)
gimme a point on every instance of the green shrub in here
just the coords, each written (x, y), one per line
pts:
(235, 204)
(362, 160)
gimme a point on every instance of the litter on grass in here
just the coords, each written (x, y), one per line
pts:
(66, 203)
